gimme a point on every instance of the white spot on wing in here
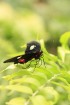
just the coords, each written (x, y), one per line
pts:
(32, 47)
(18, 57)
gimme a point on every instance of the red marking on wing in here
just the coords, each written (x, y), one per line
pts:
(21, 60)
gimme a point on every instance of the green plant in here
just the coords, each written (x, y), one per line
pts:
(48, 85)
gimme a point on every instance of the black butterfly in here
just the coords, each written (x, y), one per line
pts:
(33, 50)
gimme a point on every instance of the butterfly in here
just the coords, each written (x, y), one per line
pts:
(33, 51)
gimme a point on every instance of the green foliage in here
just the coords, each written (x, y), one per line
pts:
(64, 50)
(48, 84)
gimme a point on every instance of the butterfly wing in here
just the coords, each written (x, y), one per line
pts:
(20, 59)
(14, 59)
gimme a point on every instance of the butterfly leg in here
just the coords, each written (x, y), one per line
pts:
(27, 66)
(35, 66)
(43, 61)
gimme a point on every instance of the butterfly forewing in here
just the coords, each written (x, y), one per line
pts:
(14, 59)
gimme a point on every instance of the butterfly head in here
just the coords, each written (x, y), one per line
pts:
(33, 47)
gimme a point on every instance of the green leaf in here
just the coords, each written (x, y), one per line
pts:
(28, 80)
(16, 74)
(67, 88)
(20, 88)
(16, 101)
(40, 100)
(50, 93)
(64, 39)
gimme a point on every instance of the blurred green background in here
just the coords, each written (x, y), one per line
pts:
(24, 20)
